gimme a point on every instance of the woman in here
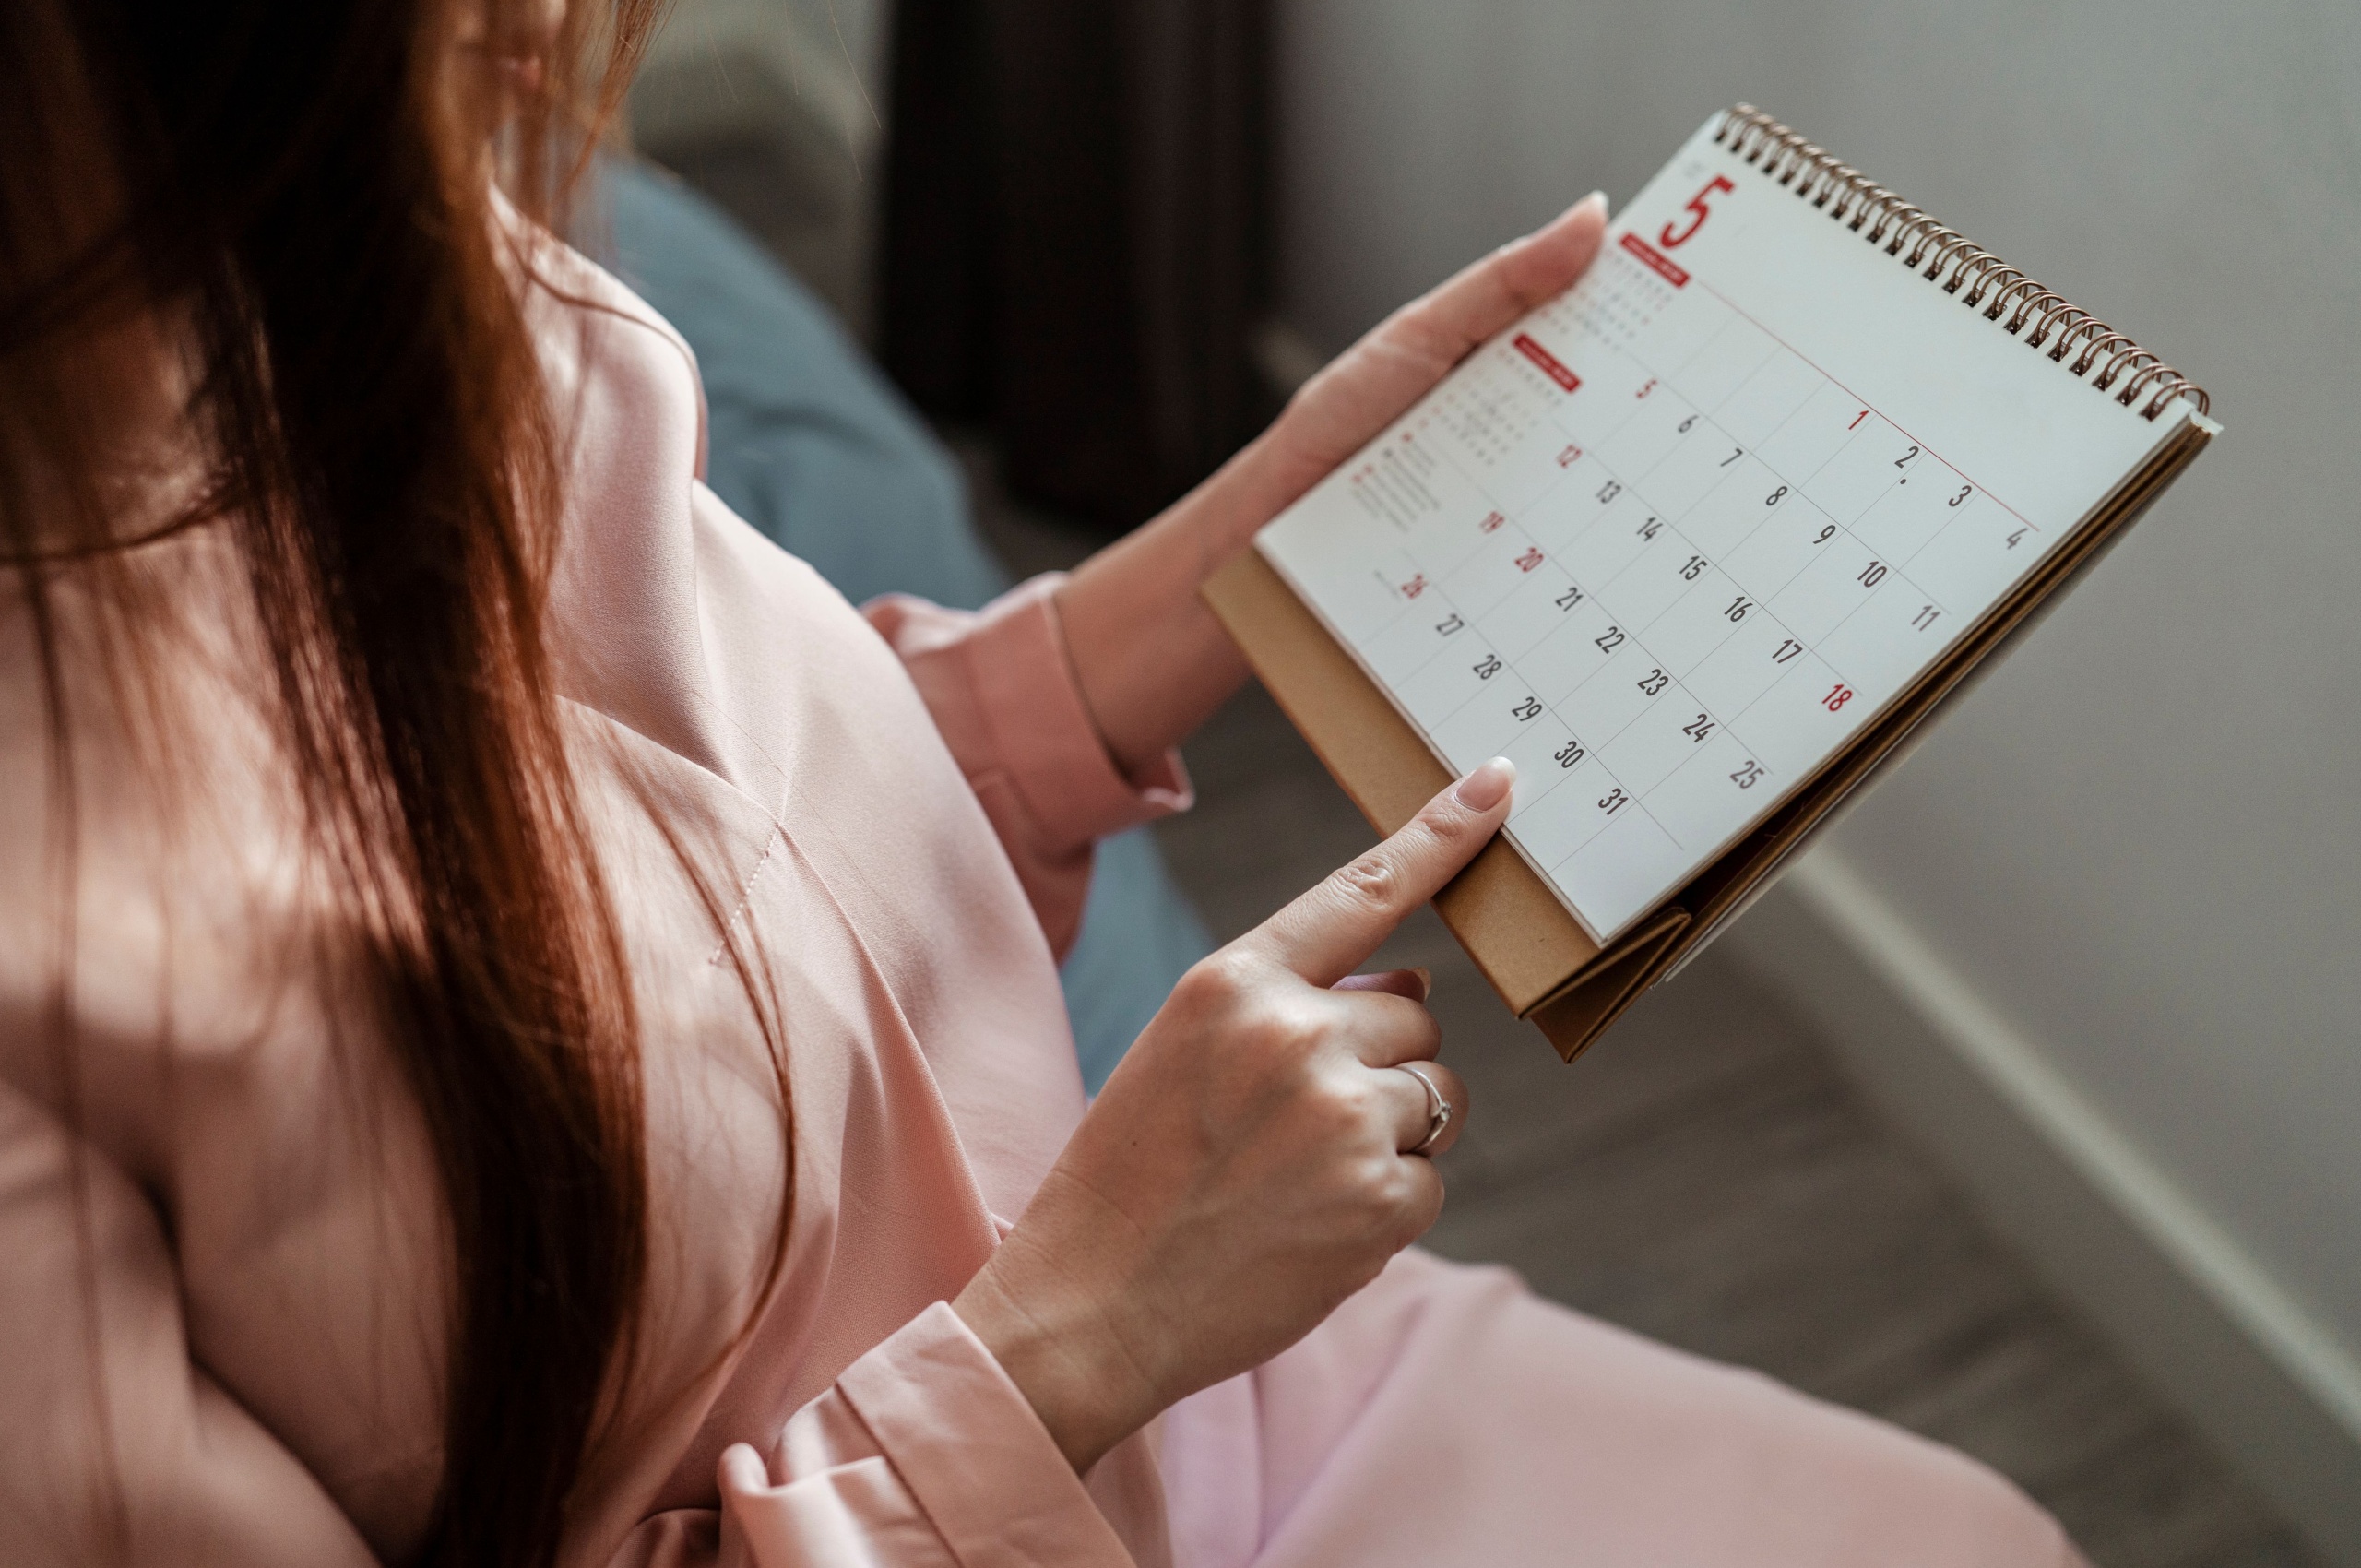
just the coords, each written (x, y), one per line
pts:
(531, 1033)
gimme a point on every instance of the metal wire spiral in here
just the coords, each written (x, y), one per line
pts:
(2041, 316)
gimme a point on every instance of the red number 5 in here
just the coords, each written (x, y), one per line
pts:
(1669, 240)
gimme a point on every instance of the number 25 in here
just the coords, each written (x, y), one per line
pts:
(1669, 240)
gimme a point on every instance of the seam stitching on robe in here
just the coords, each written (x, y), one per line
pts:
(746, 892)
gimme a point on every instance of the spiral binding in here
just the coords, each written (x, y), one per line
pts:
(1851, 198)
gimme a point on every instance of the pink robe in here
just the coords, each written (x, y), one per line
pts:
(240, 1357)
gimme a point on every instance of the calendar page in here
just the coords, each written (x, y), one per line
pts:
(1675, 537)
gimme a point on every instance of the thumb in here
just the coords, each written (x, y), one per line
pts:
(1326, 933)
(743, 1471)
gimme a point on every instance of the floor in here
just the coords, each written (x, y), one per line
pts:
(1705, 1175)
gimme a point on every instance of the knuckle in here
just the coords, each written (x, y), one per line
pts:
(1233, 968)
(1341, 1109)
(1417, 330)
(1413, 1198)
(1293, 1032)
(1419, 1213)
(1446, 820)
(1216, 979)
(1389, 1202)
(1279, 1029)
(1371, 879)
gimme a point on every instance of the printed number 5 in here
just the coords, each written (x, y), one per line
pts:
(1696, 207)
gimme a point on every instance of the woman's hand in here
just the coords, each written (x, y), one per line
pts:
(1376, 380)
(1152, 661)
(1244, 1171)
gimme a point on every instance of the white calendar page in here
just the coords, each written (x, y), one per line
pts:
(1672, 540)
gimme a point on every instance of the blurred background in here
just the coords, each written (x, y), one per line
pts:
(2024, 1112)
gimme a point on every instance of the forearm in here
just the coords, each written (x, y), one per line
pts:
(1152, 661)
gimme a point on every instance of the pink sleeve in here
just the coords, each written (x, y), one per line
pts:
(120, 1450)
(924, 1455)
(1003, 693)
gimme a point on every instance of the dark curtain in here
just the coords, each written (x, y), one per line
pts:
(1075, 240)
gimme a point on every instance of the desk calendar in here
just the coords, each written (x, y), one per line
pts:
(1699, 543)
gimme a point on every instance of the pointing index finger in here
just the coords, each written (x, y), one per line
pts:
(1328, 932)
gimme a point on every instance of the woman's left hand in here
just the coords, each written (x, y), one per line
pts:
(1152, 661)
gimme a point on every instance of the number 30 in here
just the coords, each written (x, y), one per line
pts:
(1672, 241)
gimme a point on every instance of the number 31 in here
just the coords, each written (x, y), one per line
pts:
(1696, 207)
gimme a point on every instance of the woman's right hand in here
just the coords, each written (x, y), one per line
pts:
(1244, 1171)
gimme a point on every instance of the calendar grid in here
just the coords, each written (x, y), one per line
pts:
(1674, 540)
(1658, 556)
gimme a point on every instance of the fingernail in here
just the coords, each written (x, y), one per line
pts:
(1426, 981)
(1595, 198)
(1485, 787)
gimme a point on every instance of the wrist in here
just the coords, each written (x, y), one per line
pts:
(1062, 1347)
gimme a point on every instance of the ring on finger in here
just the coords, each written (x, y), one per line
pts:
(1438, 1107)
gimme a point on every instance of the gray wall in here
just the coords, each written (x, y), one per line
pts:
(2140, 841)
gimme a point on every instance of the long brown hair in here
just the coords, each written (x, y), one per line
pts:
(300, 190)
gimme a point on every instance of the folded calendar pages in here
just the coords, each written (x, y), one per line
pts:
(1698, 545)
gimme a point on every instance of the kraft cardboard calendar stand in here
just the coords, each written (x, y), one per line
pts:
(1543, 963)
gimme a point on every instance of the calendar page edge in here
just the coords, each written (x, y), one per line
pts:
(2105, 526)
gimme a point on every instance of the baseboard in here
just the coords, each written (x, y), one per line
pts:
(2247, 1365)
